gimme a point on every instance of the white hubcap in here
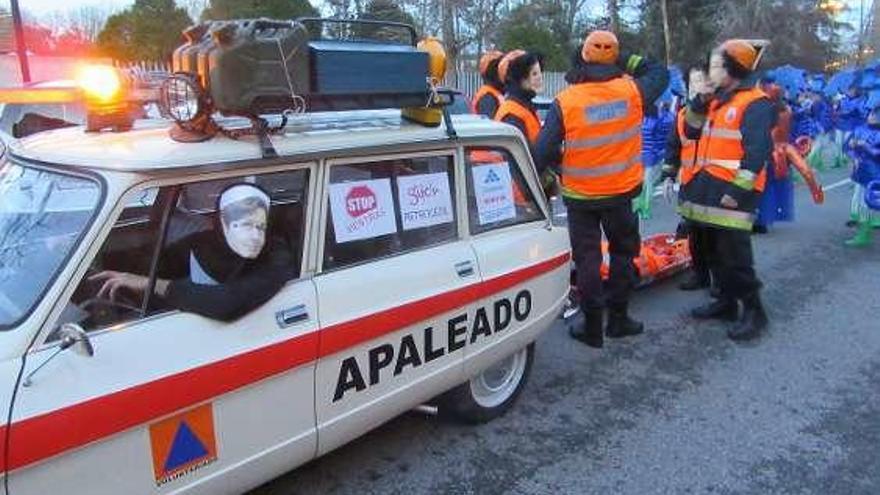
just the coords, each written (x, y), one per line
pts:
(498, 383)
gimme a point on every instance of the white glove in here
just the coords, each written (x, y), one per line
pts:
(669, 190)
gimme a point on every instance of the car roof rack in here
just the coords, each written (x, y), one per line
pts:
(257, 67)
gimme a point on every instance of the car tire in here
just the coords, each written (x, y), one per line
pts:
(491, 393)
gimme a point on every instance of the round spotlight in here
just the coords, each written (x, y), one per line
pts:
(182, 99)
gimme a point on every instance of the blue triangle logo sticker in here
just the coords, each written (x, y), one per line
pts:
(185, 449)
(492, 177)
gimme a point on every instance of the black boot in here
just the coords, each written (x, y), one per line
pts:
(694, 282)
(621, 325)
(753, 321)
(720, 309)
(591, 333)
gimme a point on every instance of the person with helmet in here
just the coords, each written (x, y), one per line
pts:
(732, 120)
(523, 80)
(592, 139)
(490, 95)
(864, 148)
(680, 163)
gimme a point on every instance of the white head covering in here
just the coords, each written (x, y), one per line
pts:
(239, 192)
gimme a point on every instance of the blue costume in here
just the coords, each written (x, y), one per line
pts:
(851, 113)
(864, 148)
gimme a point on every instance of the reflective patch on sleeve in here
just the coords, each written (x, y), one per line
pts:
(605, 112)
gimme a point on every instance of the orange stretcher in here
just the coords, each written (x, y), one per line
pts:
(661, 256)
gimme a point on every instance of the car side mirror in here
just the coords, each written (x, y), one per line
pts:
(71, 336)
(74, 337)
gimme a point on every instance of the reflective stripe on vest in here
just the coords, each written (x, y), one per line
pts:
(529, 118)
(601, 170)
(688, 154)
(724, 217)
(603, 138)
(484, 90)
(602, 141)
(721, 148)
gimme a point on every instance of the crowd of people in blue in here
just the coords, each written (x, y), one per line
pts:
(834, 123)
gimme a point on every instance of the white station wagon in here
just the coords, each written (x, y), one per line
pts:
(421, 268)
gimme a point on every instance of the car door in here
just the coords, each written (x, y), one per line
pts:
(394, 291)
(170, 400)
(520, 254)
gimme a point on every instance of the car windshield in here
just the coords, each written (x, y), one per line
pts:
(69, 112)
(43, 215)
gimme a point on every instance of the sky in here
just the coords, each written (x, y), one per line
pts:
(41, 8)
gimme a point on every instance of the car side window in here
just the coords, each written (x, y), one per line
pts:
(382, 208)
(498, 194)
(129, 248)
(199, 268)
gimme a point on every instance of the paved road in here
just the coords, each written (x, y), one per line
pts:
(678, 410)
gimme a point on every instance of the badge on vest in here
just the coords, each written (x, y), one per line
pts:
(607, 111)
(730, 116)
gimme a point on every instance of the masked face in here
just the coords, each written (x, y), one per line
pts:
(718, 76)
(246, 235)
(696, 83)
(535, 80)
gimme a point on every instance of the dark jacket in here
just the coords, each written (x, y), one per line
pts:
(243, 285)
(651, 78)
(488, 104)
(758, 121)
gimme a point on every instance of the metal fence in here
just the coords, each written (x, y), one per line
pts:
(468, 82)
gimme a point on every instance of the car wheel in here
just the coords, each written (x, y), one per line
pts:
(491, 393)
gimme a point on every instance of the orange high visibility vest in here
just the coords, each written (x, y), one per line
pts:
(486, 89)
(720, 147)
(688, 154)
(603, 137)
(512, 107)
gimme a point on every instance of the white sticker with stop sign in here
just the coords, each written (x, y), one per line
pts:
(362, 209)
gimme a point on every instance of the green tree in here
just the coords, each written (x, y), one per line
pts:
(800, 33)
(148, 30)
(538, 27)
(274, 9)
(384, 10)
(693, 29)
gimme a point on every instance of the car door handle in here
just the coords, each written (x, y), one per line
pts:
(292, 316)
(464, 269)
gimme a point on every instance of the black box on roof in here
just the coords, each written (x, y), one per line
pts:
(252, 67)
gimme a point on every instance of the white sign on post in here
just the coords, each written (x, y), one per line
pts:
(425, 200)
(362, 209)
(493, 189)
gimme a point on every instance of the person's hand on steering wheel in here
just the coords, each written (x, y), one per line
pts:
(114, 281)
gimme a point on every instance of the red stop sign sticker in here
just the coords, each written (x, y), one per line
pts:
(360, 201)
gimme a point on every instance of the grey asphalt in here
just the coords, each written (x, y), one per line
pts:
(678, 410)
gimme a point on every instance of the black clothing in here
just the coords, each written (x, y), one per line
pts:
(732, 262)
(488, 104)
(621, 227)
(242, 284)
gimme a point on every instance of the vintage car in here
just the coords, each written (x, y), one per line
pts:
(423, 267)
